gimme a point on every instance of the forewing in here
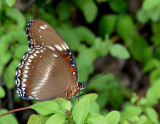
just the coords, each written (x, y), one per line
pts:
(41, 33)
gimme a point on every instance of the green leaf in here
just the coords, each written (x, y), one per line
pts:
(84, 34)
(56, 119)
(156, 39)
(5, 54)
(117, 97)
(10, 2)
(83, 73)
(89, 9)
(49, 18)
(152, 115)
(153, 93)
(142, 101)
(142, 119)
(154, 75)
(156, 31)
(4, 42)
(64, 10)
(92, 97)
(148, 4)
(10, 73)
(19, 51)
(11, 12)
(36, 119)
(151, 64)
(99, 81)
(2, 92)
(103, 99)
(119, 51)
(148, 53)
(107, 24)
(113, 117)
(20, 36)
(1, 69)
(70, 37)
(131, 111)
(65, 106)
(157, 53)
(125, 27)
(85, 61)
(154, 13)
(138, 42)
(155, 27)
(7, 119)
(68, 105)
(94, 108)
(142, 16)
(102, 47)
(119, 6)
(5, 58)
(94, 118)
(81, 110)
(46, 107)
(60, 100)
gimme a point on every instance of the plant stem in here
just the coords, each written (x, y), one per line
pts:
(15, 110)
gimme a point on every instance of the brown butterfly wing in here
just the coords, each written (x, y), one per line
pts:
(42, 75)
(41, 33)
(48, 69)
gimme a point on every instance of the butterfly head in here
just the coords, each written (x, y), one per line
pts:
(83, 85)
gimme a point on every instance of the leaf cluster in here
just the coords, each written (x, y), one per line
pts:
(61, 111)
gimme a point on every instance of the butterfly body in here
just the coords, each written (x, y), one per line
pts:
(48, 70)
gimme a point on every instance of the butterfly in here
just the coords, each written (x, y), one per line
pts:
(48, 70)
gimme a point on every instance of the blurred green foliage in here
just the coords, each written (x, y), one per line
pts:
(88, 46)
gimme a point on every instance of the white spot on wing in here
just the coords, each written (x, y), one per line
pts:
(29, 60)
(35, 54)
(63, 46)
(34, 92)
(26, 67)
(66, 45)
(74, 73)
(54, 55)
(58, 47)
(27, 63)
(31, 57)
(37, 51)
(45, 26)
(23, 89)
(51, 47)
(23, 85)
(42, 27)
(24, 80)
(25, 71)
(24, 75)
